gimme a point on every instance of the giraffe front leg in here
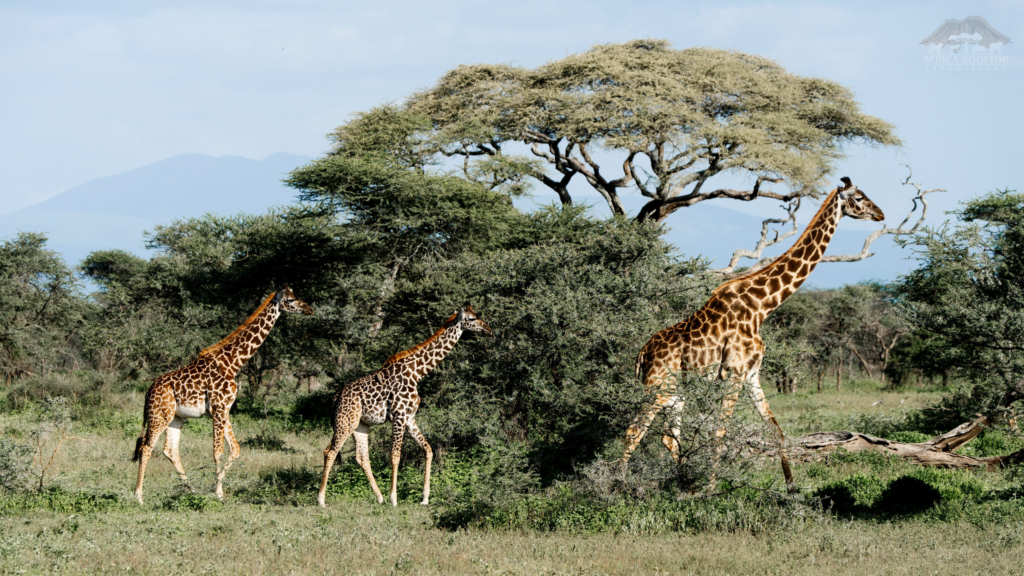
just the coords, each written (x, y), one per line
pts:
(220, 428)
(397, 435)
(761, 404)
(171, 450)
(728, 405)
(414, 431)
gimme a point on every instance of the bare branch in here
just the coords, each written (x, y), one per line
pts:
(727, 272)
(765, 242)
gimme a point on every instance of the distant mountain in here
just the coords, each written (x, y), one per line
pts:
(112, 212)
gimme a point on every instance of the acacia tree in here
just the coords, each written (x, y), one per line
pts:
(672, 119)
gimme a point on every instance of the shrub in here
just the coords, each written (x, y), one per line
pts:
(189, 501)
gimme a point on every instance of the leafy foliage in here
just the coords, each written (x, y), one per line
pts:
(676, 118)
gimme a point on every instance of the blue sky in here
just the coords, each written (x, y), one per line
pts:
(93, 89)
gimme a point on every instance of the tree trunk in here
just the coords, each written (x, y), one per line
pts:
(821, 376)
(937, 452)
(863, 362)
(839, 375)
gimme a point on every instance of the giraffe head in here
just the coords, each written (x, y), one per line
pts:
(288, 302)
(856, 205)
(470, 321)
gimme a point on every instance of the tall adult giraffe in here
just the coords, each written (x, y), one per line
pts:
(725, 331)
(207, 386)
(390, 393)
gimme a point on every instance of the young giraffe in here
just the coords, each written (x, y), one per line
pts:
(724, 331)
(207, 386)
(390, 393)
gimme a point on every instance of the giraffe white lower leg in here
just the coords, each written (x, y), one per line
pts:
(171, 447)
(414, 430)
(362, 434)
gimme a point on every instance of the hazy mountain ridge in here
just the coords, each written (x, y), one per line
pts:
(112, 212)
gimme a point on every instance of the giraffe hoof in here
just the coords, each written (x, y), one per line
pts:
(139, 498)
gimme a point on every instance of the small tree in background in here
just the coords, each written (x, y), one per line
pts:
(42, 311)
(968, 294)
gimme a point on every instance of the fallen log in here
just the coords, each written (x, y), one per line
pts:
(937, 452)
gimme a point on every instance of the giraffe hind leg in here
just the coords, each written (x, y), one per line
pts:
(171, 450)
(160, 412)
(638, 429)
(344, 425)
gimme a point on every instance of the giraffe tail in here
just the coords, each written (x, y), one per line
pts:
(137, 455)
(640, 361)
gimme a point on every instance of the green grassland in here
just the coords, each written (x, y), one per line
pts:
(883, 516)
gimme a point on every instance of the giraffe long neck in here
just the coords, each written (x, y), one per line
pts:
(234, 351)
(425, 356)
(780, 279)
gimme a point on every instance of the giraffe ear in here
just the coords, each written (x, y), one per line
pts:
(278, 296)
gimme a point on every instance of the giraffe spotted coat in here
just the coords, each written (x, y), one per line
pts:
(390, 394)
(207, 386)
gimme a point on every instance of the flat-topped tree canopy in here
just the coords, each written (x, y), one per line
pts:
(675, 118)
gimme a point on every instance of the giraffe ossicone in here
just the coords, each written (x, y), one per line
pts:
(207, 386)
(390, 394)
(725, 331)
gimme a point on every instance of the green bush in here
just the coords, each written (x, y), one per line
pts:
(61, 501)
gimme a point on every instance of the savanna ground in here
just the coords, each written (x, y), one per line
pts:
(86, 521)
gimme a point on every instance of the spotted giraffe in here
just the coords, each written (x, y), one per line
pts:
(207, 386)
(725, 331)
(390, 393)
